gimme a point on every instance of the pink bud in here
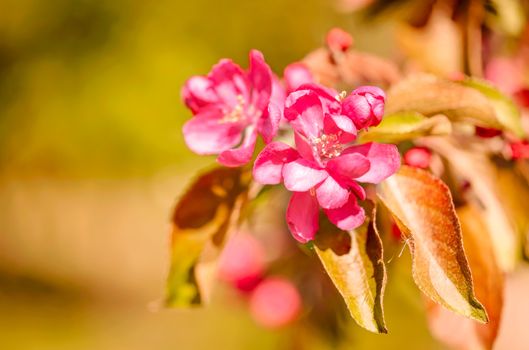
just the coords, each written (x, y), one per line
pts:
(365, 106)
(339, 40)
(275, 303)
(521, 97)
(520, 149)
(487, 132)
(242, 262)
(295, 75)
(418, 157)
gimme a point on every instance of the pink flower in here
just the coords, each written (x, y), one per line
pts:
(275, 303)
(242, 262)
(231, 107)
(324, 168)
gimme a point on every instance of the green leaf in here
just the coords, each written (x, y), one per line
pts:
(430, 95)
(354, 262)
(422, 206)
(202, 219)
(403, 126)
(506, 111)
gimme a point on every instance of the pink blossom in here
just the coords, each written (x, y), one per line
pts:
(275, 303)
(324, 168)
(242, 262)
(231, 107)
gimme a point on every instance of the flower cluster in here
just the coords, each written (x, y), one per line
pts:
(322, 167)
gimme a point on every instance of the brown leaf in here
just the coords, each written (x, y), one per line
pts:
(350, 69)
(202, 218)
(456, 330)
(422, 206)
(354, 262)
(475, 167)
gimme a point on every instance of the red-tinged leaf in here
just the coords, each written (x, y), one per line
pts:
(422, 206)
(354, 262)
(202, 219)
(455, 330)
(476, 168)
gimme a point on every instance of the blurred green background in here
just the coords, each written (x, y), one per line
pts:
(92, 159)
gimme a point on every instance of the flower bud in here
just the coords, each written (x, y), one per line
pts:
(520, 149)
(242, 262)
(275, 303)
(418, 157)
(338, 40)
(295, 75)
(365, 106)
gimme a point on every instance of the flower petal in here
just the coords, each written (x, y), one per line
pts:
(269, 123)
(302, 216)
(297, 74)
(230, 83)
(302, 175)
(198, 92)
(268, 166)
(340, 125)
(206, 134)
(304, 111)
(348, 167)
(384, 159)
(331, 194)
(241, 155)
(348, 217)
(260, 78)
(327, 96)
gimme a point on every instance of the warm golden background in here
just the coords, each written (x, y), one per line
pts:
(92, 159)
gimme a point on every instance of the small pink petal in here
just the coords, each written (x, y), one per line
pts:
(339, 125)
(302, 175)
(206, 134)
(230, 82)
(304, 148)
(348, 217)
(239, 156)
(358, 190)
(302, 216)
(198, 92)
(327, 96)
(260, 78)
(297, 74)
(331, 194)
(268, 124)
(268, 166)
(275, 303)
(348, 167)
(384, 159)
(304, 111)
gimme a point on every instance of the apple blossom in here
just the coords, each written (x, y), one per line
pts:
(231, 107)
(324, 168)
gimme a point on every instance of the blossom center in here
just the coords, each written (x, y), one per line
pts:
(328, 146)
(242, 112)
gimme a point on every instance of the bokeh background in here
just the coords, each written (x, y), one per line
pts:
(92, 160)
